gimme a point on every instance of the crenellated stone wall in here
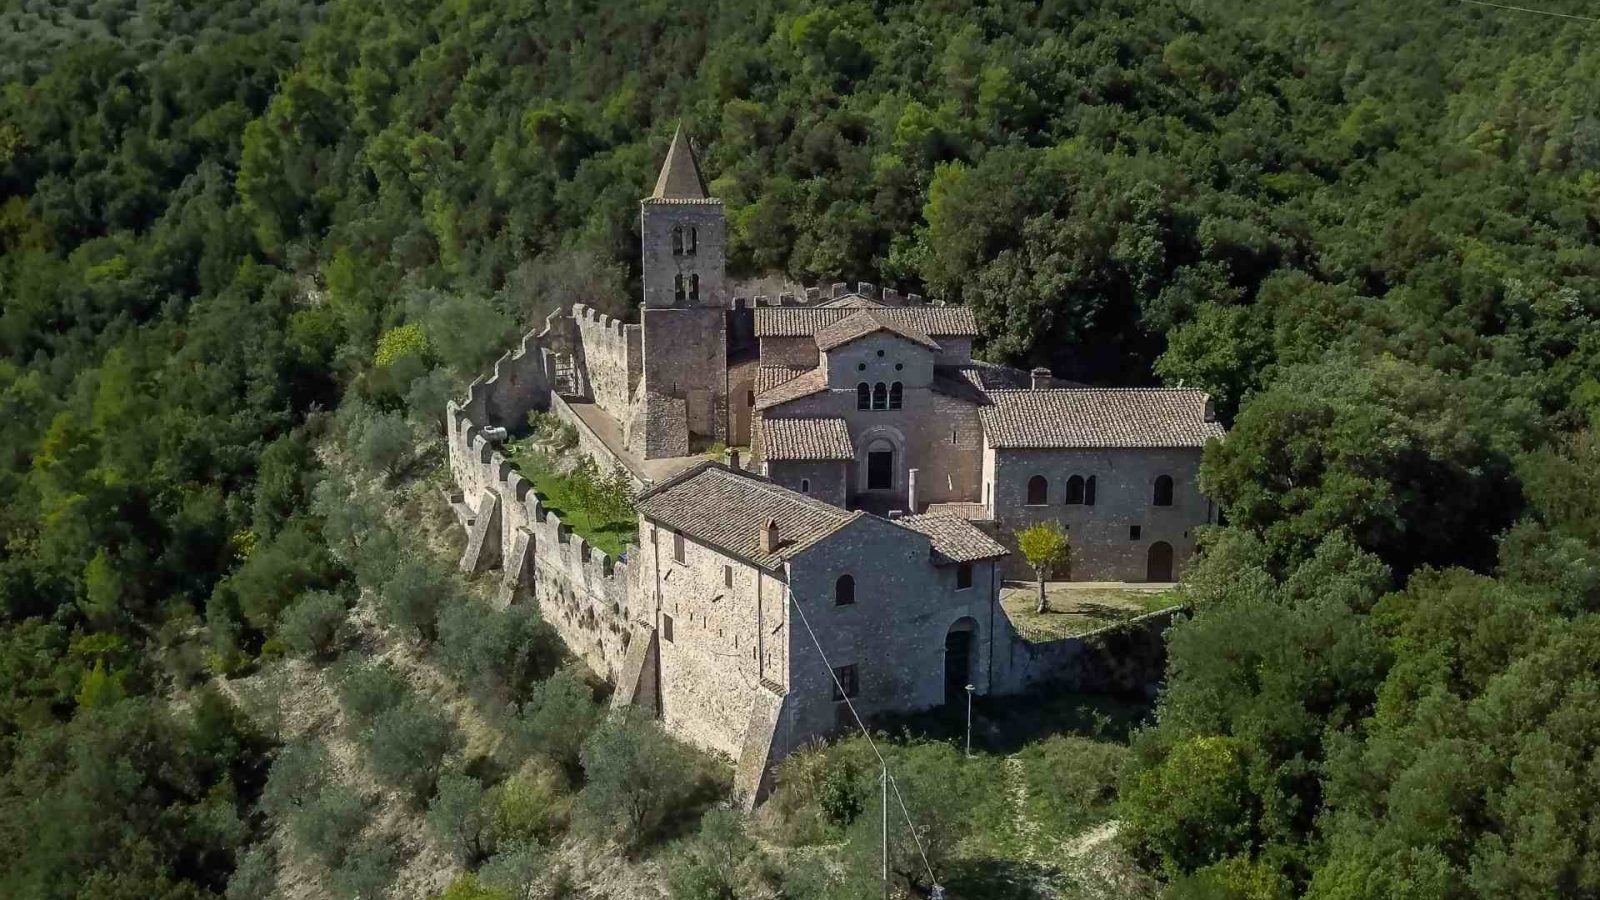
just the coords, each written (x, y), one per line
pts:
(611, 357)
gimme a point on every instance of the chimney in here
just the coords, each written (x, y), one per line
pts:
(1042, 379)
(732, 457)
(911, 491)
(769, 537)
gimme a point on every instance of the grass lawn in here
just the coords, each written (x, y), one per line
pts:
(1075, 610)
(610, 535)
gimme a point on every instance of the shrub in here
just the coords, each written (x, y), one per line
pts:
(713, 865)
(470, 887)
(459, 818)
(367, 690)
(531, 806)
(556, 719)
(406, 746)
(413, 594)
(497, 654)
(315, 625)
(636, 779)
(255, 876)
(1191, 808)
(383, 443)
(296, 778)
(365, 870)
(1072, 781)
(326, 825)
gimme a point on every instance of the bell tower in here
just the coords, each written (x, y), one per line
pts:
(683, 238)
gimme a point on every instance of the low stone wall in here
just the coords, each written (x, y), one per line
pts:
(590, 443)
(1125, 658)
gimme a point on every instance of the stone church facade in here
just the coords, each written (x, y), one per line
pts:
(853, 543)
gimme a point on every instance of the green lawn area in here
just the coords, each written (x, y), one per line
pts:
(608, 534)
(1076, 610)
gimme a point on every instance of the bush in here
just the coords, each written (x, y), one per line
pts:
(715, 864)
(365, 871)
(413, 595)
(326, 826)
(636, 779)
(406, 746)
(460, 820)
(315, 625)
(531, 806)
(255, 876)
(497, 654)
(367, 690)
(556, 719)
(1072, 781)
(1190, 810)
(469, 887)
(296, 778)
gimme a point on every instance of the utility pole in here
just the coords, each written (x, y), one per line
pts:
(885, 780)
(969, 720)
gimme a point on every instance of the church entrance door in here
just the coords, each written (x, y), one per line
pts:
(880, 470)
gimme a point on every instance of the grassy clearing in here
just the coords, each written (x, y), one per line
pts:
(1074, 611)
(565, 495)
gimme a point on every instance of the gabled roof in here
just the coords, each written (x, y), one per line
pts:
(1122, 418)
(769, 377)
(954, 540)
(805, 321)
(805, 440)
(729, 510)
(680, 173)
(802, 385)
(989, 376)
(865, 322)
(852, 301)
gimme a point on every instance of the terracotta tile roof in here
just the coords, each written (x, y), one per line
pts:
(955, 540)
(1098, 417)
(805, 439)
(800, 386)
(729, 510)
(805, 321)
(951, 384)
(769, 377)
(972, 512)
(865, 322)
(852, 301)
(989, 376)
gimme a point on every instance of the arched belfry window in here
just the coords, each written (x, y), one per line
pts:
(694, 287)
(844, 591)
(1038, 491)
(896, 395)
(1088, 492)
(880, 396)
(677, 286)
(692, 242)
(1075, 490)
(1163, 491)
(863, 396)
(677, 240)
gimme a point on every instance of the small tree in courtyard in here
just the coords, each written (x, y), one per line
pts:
(1046, 548)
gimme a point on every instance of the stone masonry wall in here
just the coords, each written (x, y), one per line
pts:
(1126, 658)
(1103, 548)
(612, 358)
(581, 591)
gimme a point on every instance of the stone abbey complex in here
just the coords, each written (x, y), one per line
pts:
(853, 542)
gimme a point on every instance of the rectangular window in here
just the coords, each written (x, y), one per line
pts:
(727, 576)
(677, 546)
(844, 676)
(1133, 532)
(963, 576)
(750, 398)
(666, 628)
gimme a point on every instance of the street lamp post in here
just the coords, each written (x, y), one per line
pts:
(969, 719)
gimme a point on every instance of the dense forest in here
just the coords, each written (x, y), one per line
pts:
(250, 248)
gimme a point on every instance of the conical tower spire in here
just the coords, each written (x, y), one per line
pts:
(680, 174)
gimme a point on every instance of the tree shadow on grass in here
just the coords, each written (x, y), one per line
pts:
(999, 879)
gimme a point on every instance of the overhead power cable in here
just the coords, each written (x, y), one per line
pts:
(1538, 12)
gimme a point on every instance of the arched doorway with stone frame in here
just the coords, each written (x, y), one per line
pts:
(880, 466)
(1158, 562)
(960, 659)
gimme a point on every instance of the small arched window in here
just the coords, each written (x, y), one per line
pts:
(1163, 492)
(693, 242)
(677, 240)
(1075, 490)
(863, 396)
(880, 396)
(805, 485)
(1088, 492)
(895, 395)
(1038, 491)
(694, 287)
(677, 286)
(844, 591)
